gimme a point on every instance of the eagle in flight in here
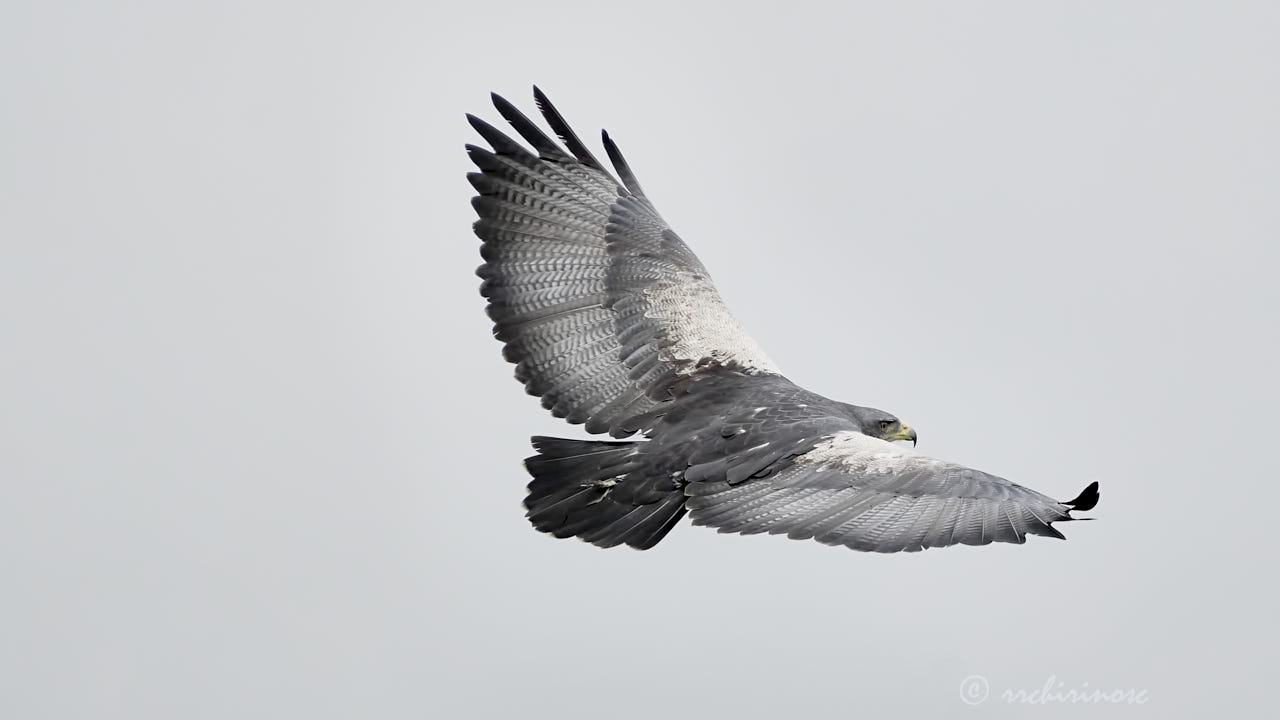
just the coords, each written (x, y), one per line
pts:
(612, 320)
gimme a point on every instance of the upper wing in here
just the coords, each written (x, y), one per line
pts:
(854, 490)
(600, 305)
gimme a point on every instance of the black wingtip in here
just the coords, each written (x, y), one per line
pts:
(564, 132)
(502, 144)
(527, 129)
(621, 166)
(1087, 499)
(1053, 532)
(485, 129)
(540, 97)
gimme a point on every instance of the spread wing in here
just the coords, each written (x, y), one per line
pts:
(868, 494)
(599, 303)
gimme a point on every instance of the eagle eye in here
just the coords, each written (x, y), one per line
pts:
(885, 424)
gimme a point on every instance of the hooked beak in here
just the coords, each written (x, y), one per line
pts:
(905, 432)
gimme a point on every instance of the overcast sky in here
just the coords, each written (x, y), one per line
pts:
(260, 455)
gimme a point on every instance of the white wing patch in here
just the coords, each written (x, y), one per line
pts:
(700, 328)
(852, 452)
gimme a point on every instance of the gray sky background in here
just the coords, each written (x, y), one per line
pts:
(261, 457)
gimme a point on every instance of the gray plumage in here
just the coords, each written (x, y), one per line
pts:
(614, 323)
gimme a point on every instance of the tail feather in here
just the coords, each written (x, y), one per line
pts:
(599, 491)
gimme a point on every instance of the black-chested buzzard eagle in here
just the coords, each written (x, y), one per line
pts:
(612, 320)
